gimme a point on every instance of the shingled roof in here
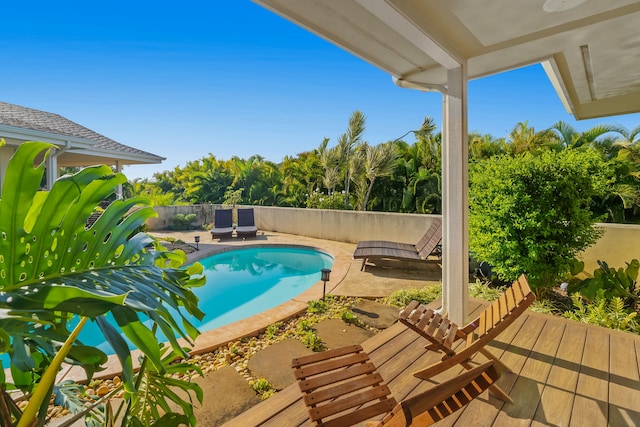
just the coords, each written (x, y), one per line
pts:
(31, 119)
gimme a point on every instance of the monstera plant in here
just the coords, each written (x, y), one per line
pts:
(57, 273)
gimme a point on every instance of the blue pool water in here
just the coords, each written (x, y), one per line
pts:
(244, 282)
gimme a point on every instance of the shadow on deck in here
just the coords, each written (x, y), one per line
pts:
(564, 373)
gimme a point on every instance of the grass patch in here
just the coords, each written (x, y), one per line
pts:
(403, 297)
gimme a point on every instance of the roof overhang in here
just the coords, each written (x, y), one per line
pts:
(589, 49)
(75, 151)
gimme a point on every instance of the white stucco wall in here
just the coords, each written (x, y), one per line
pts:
(619, 244)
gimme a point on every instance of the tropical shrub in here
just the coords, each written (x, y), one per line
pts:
(610, 313)
(319, 200)
(57, 273)
(610, 283)
(182, 221)
(530, 214)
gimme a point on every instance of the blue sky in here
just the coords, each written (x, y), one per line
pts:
(182, 80)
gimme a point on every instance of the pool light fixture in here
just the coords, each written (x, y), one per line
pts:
(197, 242)
(325, 278)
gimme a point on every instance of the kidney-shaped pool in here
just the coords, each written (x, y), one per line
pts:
(243, 282)
(248, 281)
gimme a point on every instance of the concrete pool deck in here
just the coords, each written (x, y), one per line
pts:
(346, 279)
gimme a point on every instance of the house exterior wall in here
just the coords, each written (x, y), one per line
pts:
(618, 245)
(5, 155)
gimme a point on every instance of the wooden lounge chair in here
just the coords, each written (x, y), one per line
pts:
(442, 334)
(223, 224)
(341, 387)
(246, 226)
(428, 245)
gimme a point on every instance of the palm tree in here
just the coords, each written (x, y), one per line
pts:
(379, 160)
(482, 147)
(347, 143)
(570, 137)
(523, 139)
(329, 160)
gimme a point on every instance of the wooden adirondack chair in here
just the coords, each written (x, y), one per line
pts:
(442, 334)
(341, 387)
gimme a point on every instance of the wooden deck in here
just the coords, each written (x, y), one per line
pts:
(564, 374)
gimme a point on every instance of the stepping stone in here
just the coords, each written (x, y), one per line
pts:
(274, 362)
(374, 314)
(334, 333)
(238, 397)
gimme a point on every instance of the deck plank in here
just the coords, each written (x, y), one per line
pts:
(514, 356)
(592, 393)
(556, 401)
(533, 377)
(624, 384)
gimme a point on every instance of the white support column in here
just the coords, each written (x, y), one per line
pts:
(52, 168)
(119, 188)
(455, 202)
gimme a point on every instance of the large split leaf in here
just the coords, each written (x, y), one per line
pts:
(53, 264)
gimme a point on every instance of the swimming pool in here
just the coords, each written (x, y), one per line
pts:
(243, 282)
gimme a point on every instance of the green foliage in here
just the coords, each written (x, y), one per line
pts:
(182, 221)
(317, 306)
(349, 317)
(308, 335)
(545, 306)
(273, 330)
(402, 297)
(610, 313)
(311, 340)
(413, 184)
(530, 214)
(484, 292)
(319, 200)
(611, 282)
(305, 326)
(232, 197)
(262, 387)
(152, 402)
(53, 266)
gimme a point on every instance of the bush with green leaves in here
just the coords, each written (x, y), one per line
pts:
(182, 221)
(530, 213)
(610, 283)
(610, 313)
(319, 200)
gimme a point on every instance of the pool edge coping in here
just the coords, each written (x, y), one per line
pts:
(251, 326)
